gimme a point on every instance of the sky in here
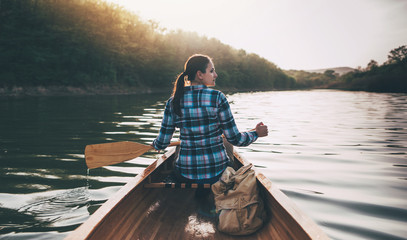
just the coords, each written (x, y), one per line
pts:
(293, 34)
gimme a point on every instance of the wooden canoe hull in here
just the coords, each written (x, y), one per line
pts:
(136, 212)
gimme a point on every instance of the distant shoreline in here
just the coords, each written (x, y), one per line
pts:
(42, 91)
(49, 91)
(37, 91)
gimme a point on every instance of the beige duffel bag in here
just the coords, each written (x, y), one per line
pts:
(238, 202)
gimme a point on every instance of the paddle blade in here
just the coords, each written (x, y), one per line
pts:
(98, 155)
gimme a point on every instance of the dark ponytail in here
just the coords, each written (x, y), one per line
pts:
(178, 92)
(194, 63)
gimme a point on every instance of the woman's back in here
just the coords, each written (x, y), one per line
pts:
(202, 115)
(199, 123)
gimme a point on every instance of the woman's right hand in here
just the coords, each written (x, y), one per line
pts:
(261, 130)
(152, 145)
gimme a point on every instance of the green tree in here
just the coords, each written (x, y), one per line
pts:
(330, 74)
(372, 65)
(397, 55)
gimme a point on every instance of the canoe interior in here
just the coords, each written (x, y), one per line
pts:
(160, 213)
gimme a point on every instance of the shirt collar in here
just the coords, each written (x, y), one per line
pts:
(195, 87)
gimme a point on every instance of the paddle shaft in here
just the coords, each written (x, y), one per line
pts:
(104, 154)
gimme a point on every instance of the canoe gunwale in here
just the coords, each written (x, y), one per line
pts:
(310, 228)
(85, 230)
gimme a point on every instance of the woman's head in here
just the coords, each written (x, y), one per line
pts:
(198, 69)
(195, 65)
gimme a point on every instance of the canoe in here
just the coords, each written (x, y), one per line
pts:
(137, 211)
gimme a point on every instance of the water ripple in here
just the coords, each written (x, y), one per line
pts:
(340, 156)
(66, 209)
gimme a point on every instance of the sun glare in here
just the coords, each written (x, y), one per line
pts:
(172, 15)
(292, 34)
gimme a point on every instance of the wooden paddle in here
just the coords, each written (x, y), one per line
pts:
(104, 154)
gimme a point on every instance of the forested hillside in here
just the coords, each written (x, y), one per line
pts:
(338, 70)
(307, 80)
(391, 76)
(90, 43)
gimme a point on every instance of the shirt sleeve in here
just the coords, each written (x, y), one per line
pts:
(167, 128)
(228, 125)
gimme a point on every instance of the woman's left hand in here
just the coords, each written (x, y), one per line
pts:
(261, 130)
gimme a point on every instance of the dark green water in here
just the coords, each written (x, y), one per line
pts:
(44, 182)
(340, 156)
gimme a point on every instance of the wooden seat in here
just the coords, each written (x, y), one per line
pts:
(177, 185)
(170, 182)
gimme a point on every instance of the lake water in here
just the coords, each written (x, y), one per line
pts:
(340, 156)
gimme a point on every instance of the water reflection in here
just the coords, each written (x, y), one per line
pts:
(341, 156)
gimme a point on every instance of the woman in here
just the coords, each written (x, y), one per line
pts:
(202, 115)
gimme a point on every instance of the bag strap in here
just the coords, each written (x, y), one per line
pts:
(244, 169)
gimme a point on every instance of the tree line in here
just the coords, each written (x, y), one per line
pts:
(309, 80)
(86, 43)
(91, 43)
(391, 76)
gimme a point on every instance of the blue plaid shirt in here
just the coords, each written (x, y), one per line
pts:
(205, 117)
